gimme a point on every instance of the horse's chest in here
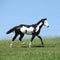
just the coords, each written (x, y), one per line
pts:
(27, 30)
(38, 27)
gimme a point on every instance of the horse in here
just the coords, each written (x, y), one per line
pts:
(33, 29)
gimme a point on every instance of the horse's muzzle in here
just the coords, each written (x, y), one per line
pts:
(47, 26)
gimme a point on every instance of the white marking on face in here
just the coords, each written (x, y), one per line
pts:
(27, 30)
(46, 23)
(37, 28)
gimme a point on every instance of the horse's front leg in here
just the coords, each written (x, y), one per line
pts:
(41, 40)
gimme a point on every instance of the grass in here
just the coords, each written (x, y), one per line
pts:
(51, 51)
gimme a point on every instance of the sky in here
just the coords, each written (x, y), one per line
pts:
(16, 12)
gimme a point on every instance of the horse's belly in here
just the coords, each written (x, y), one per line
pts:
(26, 30)
(29, 32)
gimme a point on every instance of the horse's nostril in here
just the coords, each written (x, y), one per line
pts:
(48, 26)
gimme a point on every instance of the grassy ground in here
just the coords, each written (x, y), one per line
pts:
(51, 51)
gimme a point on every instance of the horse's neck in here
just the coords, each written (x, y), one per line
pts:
(39, 26)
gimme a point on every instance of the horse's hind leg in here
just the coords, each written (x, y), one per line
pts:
(11, 45)
(20, 38)
(33, 36)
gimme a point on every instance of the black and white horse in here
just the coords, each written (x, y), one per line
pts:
(33, 30)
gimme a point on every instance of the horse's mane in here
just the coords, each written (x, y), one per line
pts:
(41, 20)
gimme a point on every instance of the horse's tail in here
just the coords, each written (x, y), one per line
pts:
(11, 30)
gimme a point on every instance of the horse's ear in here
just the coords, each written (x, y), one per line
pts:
(45, 18)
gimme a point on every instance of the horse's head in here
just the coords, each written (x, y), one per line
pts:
(45, 23)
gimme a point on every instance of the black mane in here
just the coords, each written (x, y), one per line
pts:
(42, 20)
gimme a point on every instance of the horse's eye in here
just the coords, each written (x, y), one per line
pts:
(45, 22)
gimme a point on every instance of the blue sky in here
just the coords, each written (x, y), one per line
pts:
(16, 12)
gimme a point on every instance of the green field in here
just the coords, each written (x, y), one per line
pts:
(51, 51)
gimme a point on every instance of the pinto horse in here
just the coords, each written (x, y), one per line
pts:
(33, 30)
